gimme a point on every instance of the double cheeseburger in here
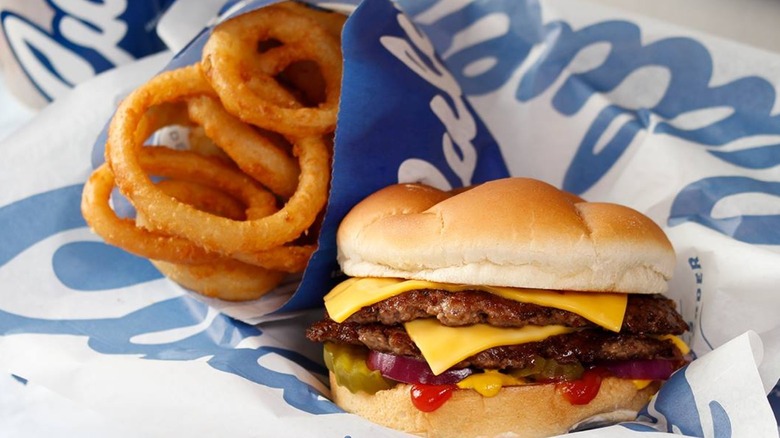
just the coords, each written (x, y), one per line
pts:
(508, 308)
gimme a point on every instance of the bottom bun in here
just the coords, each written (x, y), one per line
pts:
(517, 411)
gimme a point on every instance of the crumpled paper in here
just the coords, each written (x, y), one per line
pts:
(613, 107)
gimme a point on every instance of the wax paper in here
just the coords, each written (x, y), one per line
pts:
(679, 125)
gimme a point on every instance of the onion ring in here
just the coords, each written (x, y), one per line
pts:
(305, 76)
(226, 65)
(226, 278)
(193, 167)
(291, 258)
(270, 90)
(209, 231)
(333, 22)
(222, 278)
(306, 80)
(175, 164)
(260, 109)
(255, 154)
(199, 142)
(124, 233)
(204, 198)
(162, 115)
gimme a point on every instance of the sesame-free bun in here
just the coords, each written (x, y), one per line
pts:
(516, 232)
(516, 411)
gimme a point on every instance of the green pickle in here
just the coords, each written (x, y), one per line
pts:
(348, 364)
(549, 369)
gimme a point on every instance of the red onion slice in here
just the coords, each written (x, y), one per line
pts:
(409, 370)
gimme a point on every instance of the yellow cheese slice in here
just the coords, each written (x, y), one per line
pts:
(641, 383)
(442, 346)
(604, 309)
(678, 342)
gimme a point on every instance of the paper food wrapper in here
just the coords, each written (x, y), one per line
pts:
(613, 107)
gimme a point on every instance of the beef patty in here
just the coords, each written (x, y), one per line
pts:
(645, 314)
(379, 327)
(586, 346)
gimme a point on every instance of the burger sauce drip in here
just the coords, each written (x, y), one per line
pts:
(582, 391)
(428, 398)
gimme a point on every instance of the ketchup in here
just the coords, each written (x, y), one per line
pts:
(582, 391)
(428, 398)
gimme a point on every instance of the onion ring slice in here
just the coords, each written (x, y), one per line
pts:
(204, 198)
(255, 154)
(226, 65)
(202, 144)
(333, 22)
(226, 279)
(222, 278)
(211, 232)
(289, 258)
(124, 233)
(183, 165)
(193, 167)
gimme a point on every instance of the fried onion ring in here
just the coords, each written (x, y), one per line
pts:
(226, 65)
(124, 233)
(202, 144)
(291, 258)
(226, 278)
(235, 213)
(190, 166)
(183, 165)
(222, 277)
(213, 233)
(333, 22)
(204, 198)
(255, 154)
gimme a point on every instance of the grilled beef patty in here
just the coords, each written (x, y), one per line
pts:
(645, 314)
(379, 327)
(586, 346)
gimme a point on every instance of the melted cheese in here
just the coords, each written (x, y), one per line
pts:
(604, 309)
(442, 346)
(641, 384)
(489, 383)
(678, 342)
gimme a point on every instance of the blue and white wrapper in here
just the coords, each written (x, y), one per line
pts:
(679, 125)
(49, 46)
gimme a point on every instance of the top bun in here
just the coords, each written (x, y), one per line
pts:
(515, 232)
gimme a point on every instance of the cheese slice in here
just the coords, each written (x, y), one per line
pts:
(678, 342)
(604, 309)
(641, 383)
(443, 346)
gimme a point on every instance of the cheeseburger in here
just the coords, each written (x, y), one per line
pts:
(508, 308)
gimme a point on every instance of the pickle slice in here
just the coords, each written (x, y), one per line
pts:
(348, 364)
(549, 369)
